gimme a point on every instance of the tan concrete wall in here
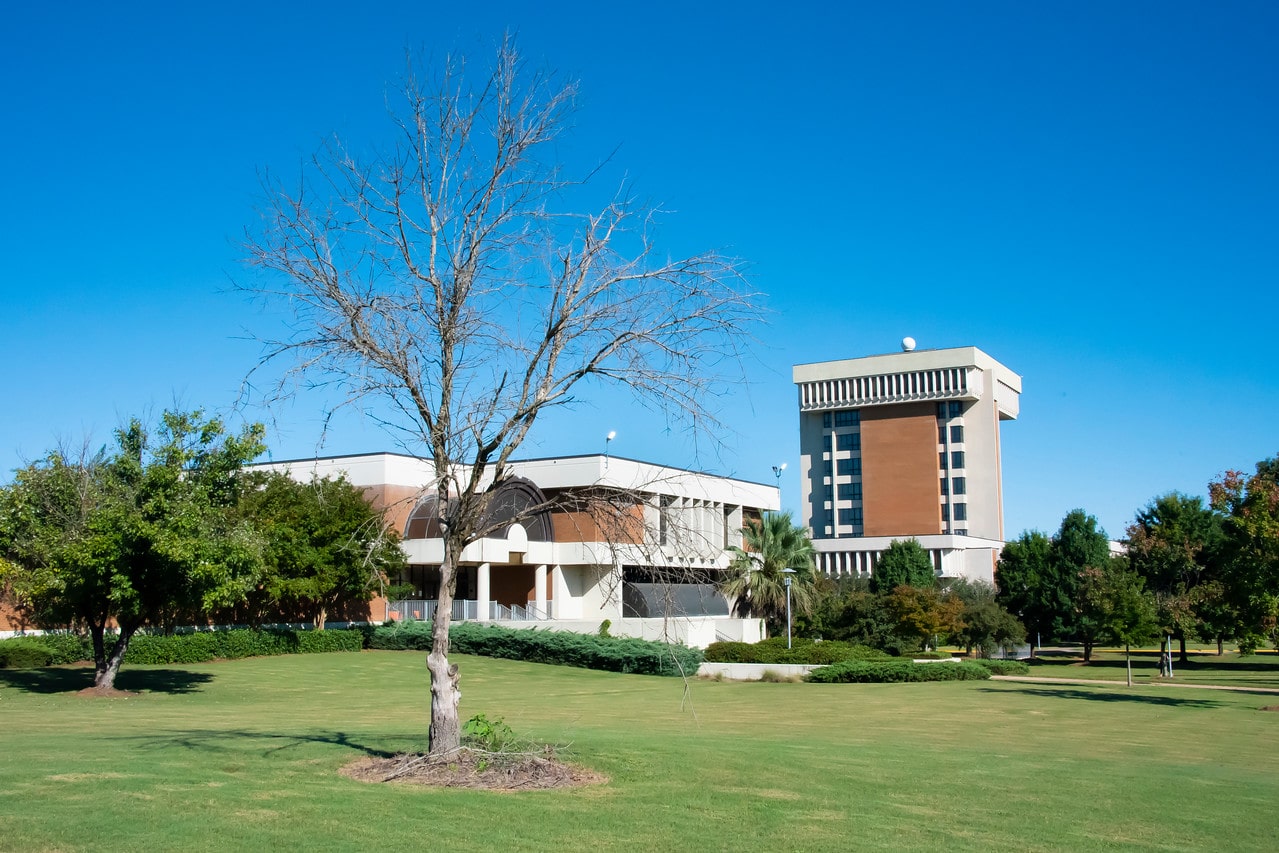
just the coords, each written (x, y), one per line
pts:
(901, 489)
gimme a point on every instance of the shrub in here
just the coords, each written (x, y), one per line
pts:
(896, 671)
(24, 653)
(802, 652)
(615, 654)
(1004, 667)
(202, 646)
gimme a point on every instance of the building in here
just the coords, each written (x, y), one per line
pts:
(579, 540)
(905, 445)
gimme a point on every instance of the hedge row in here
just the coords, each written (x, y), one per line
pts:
(1004, 667)
(802, 651)
(897, 671)
(196, 647)
(614, 654)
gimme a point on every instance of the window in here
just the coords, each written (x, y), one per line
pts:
(826, 467)
(961, 512)
(851, 516)
(857, 515)
(956, 408)
(848, 417)
(941, 410)
(957, 459)
(825, 420)
(857, 466)
(846, 467)
(828, 491)
(849, 441)
(945, 512)
(957, 434)
(826, 442)
(941, 460)
(829, 515)
(941, 433)
(944, 483)
(961, 531)
(958, 486)
(850, 491)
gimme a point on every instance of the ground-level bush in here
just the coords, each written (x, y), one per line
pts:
(897, 671)
(62, 648)
(1004, 667)
(242, 643)
(802, 652)
(24, 653)
(615, 654)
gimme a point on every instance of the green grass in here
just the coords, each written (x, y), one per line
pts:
(243, 755)
(1230, 670)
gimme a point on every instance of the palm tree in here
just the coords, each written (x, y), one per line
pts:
(756, 581)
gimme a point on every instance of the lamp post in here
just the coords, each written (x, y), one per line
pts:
(786, 578)
(777, 472)
(612, 434)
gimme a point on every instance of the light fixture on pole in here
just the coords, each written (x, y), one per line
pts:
(612, 434)
(786, 574)
(777, 472)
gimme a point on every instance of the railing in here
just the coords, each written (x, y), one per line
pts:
(463, 611)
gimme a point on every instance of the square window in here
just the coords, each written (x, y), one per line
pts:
(845, 516)
(957, 459)
(959, 486)
(845, 467)
(957, 434)
(848, 441)
(956, 408)
(961, 512)
(845, 491)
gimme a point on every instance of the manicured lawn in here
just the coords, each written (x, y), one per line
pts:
(243, 755)
(1204, 667)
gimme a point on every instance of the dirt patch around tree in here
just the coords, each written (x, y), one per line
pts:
(1270, 708)
(475, 769)
(99, 693)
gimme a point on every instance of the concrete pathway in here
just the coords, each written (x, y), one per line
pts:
(1042, 680)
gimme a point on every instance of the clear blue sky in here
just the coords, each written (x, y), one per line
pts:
(1087, 191)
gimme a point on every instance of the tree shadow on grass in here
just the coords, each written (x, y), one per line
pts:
(1104, 694)
(237, 740)
(63, 679)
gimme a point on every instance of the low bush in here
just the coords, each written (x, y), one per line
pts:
(241, 643)
(896, 671)
(1004, 667)
(24, 653)
(802, 652)
(614, 654)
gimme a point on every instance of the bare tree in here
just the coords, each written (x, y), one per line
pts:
(439, 276)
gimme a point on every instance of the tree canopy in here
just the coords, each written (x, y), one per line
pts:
(756, 579)
(903, 562)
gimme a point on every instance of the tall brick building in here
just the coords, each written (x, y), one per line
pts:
(905, 445)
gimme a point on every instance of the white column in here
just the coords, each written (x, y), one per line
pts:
(559, 593)
(539, 589)
(482, 592)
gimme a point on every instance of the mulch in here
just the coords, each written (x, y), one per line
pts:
(476, 770)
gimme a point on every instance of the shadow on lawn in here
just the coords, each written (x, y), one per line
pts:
(1105, 695)
(235, 740)
(59, 679)
(1150, 660)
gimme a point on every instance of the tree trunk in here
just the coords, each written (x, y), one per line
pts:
(1220, 646)
(446, 730)
(1128, 663)
(106, 667)
(321, 615)
(1182, 639)
(1087, 651)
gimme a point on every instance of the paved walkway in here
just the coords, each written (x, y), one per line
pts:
(1041, 680)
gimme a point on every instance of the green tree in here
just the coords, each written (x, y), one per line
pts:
(139, 536)
(756, 578)
(1175, 544)
(1027, 586)
(1080, 544)
(326, 546)
(847, 610)
(1250, 504)
(926, 613)
(987, 624)
(903, 562)
(1128, 612)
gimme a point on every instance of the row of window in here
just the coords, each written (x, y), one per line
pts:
(956, 459)
(847, 467)
(851, 516)
(843, 418)
(954, 486)
(950, 409)
(956, 434)
(960, 512)
(848, 441)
